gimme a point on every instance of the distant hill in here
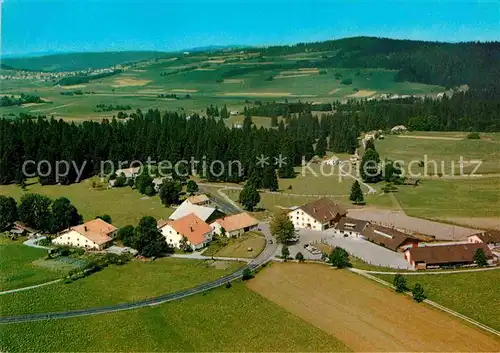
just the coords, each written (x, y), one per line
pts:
(212, 48)
(79, 61)
(445, 64)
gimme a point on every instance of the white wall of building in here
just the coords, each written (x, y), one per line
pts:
(349, 233)
(173, 238)
(300, 219)
(75, 239)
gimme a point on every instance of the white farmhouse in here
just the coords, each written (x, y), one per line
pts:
(490, 238)
(95, 235)
(318, 215)
(197, 232)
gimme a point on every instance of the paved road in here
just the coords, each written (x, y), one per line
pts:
(31, 242)
(29, 287)
(199, 256)
(264, 257)
(227, 205)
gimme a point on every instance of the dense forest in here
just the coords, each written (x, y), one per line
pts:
(173, 137)
(478, 109)
(446, 64)
(169, 137)
(24, 98)
(474, 110)
(79, 79)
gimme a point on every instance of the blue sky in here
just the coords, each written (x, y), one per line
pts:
(33, 26)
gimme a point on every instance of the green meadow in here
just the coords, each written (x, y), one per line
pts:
(221, 79)
(225, 320)
(22, 266)
(117, 284)
(124, 205)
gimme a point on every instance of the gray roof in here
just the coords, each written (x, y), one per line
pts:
(351, 224)
(186, 208)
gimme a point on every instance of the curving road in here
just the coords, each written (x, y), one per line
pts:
(265, 256)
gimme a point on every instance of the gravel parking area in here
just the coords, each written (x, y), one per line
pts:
(305, 236)
(368, 252)
(399, 219)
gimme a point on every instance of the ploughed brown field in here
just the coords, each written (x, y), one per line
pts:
(365, 315)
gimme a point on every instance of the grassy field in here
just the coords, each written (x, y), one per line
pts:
(473, 294)
(238, 247)
(223, 320)
(445, 148)
(208, 81)
(18, 265)
(452, 198)
(117, 284)
(124, 205)
(365, 315)
(274, 202)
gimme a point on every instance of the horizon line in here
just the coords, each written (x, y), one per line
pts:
(218, 47)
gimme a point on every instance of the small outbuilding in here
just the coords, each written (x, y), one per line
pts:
(235, 225)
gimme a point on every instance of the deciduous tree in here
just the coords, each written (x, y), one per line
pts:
(282, 228)
(339, 258)
(418, 293)
(169, 192)
(34, 211)
(64, 215)
(148, 240)
(191, 187)
(126, 235)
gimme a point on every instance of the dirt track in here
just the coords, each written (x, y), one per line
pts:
(365, 315)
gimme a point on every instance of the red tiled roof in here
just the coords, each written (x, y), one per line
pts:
(323, 210)
(237, 221)
(442, 254)
(96, 230)
(192, 227)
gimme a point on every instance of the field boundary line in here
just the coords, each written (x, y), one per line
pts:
(416, 273)
(261, 260)
(436, 305)
(29, 287)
